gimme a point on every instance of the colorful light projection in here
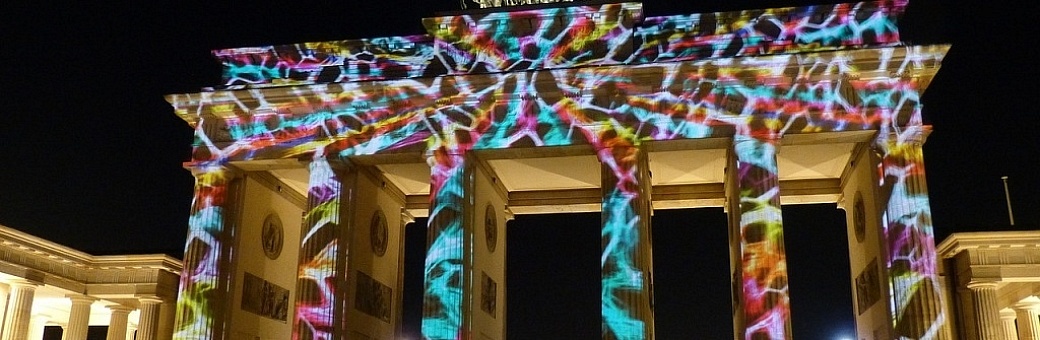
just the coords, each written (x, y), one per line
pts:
(443, 295)
(593, 35)
(625, 291)
(767, 309)
(322, 255)
(604, 106)
(917, 312)
(327, 62)
(205, 277)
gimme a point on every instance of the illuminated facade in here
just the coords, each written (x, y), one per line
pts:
(43, 284)
(992, 281)
(555, 109)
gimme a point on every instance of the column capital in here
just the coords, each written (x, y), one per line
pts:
(1008, 314)
(204, 168)
(22, 283)
(120, 309)
(149, 299)
(81, 299)
(1030, 303)
(982, 284)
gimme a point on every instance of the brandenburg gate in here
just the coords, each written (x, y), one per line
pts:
(545, 109)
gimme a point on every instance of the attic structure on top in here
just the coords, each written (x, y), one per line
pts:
(559, 108)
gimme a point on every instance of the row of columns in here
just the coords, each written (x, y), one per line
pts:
(762, 303)
(1021, 321)
(20, 323)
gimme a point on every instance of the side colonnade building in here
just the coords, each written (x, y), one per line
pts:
(546, 109)
(45, 284)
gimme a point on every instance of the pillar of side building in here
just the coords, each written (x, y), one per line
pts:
(19, 310)
(79, 317)
(446, 312)
(987, 312)
(1007, 322)
(759, 264)
(325, 245)
(148, 321)
(486, 227)
(5, 292)
(1028, 314)
(373, 265)
(909, 241)
(118, 321)
(166, 318)
(626, 263)
(204, 302)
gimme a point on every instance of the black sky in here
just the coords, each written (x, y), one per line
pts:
(90, 153)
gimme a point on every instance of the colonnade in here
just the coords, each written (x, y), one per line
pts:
(21, 321)
(752, 194)
(1020, 321)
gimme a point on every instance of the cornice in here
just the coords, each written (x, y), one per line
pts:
(24, 253)
(959, 242)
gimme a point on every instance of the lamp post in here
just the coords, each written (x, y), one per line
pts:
(1007, 196)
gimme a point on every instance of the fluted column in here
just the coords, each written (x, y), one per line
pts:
(919, 312)
(987, 314)
(447, 259)
(19, 310)
(203, 302)
(324, 249)
(1007, 322)
(625, 263)
(762, 302)
(79, 317)
(148, 322)
(5, 292)
(36, 325)
(117, 322)
(1028, 312)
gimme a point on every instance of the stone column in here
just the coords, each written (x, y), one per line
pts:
(166, 317)
(1007, 322)
(19, 310)
(148, 323)
(131, 332)
(1028, 312)
(118, 322)
(79, 317)
(919, 312)
(36, 325)
(324, 246)
(445, 306)
(760, 292)
(987, 314)
(626, 263)
(203, 303)
(5, 292)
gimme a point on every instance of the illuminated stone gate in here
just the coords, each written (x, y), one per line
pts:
(554, 109)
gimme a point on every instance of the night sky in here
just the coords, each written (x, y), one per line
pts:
(91, 154)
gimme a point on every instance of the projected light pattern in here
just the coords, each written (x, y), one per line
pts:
(205, 271)
(321, 263)
(605, 34)
(918, 312)
(442, 300)
(767, 310)
(805, 93)
(325, 62)
(624, 295)
(688, 78)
